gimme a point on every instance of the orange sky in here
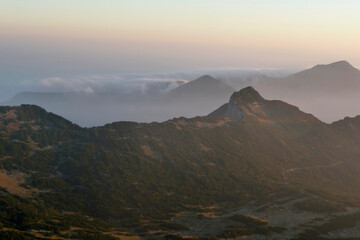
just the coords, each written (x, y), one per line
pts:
(164, 35)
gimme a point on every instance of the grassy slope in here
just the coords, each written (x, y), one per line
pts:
(132, 172)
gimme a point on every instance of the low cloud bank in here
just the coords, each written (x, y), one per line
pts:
(99, 99)
(105, 83)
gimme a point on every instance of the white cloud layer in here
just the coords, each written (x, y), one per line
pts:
(104, 83)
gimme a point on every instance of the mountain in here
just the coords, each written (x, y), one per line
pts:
(338, 76)
(327, 91)
(268, 171)
(247, 103)
(202, 87)
(197, 97)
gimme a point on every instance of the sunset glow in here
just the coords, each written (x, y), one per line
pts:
(238, 33)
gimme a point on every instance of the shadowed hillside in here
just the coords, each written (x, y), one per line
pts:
(201, 177)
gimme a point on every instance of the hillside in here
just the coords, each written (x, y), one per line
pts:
(243, 170)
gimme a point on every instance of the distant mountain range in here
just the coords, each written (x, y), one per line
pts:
(327, 91)
(252, 168)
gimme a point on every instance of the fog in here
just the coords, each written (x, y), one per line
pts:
(329, 92)
(93, 100)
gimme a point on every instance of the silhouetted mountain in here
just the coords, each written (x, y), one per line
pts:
(327, 91)
(203, 87)
(338, 76)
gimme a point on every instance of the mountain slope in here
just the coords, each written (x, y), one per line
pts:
(331, 78)
(202, 88)
(159, 179)
(327, 91)
(247, 103)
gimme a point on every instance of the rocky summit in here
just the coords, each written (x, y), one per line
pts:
(248, 103)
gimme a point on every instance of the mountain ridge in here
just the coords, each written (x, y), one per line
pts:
(339, 65)
(202, 86)
(327, 91)
(168, 180)
(249, 103)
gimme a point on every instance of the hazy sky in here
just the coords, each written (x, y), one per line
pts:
(57, 37)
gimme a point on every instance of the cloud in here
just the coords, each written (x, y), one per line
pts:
(49, 82)
(141, 83)
(88, 84)
(104, 83)
(61, 84)
(160, 79)
(89, 90)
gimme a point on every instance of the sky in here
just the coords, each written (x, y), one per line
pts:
(49, 38)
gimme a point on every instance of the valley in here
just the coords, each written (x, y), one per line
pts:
(179, 120)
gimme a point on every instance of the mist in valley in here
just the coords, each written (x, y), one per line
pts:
(327, 91)
(100, 99)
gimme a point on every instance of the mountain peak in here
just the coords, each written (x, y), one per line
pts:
(203, 87)
(239, 102)
(338, 66)
(206, 78)
(343, 63)
(249, 104)
(247, 95)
